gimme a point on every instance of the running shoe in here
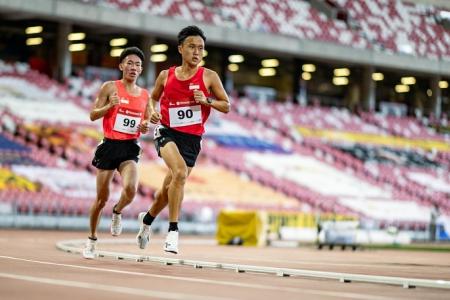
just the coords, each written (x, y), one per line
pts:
(116, 224)
(143, 236)
(89, 249)
(171, 244)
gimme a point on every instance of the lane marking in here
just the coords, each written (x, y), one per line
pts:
(347, 295)
(212, 242)
(73, 246)
(110, 288)
(336, 264)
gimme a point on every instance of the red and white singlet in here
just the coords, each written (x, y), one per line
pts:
(179, 110)
(121, 121)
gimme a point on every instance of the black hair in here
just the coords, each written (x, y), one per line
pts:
(131, 50)
(190, 31)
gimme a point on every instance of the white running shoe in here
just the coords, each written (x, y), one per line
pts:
(116, 224)
(171, 244)
(143, 236)
(89, 249)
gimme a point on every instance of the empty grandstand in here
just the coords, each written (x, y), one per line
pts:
(339, 107)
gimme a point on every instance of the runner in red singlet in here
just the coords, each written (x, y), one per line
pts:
(186, 95)
(124, 108)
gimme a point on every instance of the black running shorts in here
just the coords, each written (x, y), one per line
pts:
(111, 153)
(189, 145)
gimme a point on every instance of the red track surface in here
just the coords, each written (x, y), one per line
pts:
(32, 268)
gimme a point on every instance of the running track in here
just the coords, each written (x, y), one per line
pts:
(31, 267)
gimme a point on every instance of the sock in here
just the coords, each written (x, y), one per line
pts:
(148, 219)
(115, 211)
(92, 238)
(173, 226)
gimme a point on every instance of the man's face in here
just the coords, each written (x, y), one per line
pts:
(131, 67)
(191, 50)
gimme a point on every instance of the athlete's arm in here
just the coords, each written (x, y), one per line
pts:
(144, 126)
(107, 98)
(221, 101)
(157, 91)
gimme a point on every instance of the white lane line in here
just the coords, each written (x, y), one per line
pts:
(212, 242)
(110, 288)
(299, 262)
(347, 295)
(306, 262)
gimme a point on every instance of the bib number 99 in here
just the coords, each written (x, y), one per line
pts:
(129, 123)
(126, 124)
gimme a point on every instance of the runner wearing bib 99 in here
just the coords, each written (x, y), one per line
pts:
(123, 106)
(186, 95)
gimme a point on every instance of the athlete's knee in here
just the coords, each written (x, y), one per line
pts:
(165, 188)
(179, 175)
(130, 190)
(102, 197)
(100, 202)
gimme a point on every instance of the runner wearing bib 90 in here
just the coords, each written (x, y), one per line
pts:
(186, 95)
(123, 106)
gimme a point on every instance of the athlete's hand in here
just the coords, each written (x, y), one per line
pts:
(114, 100)
(200, 97)
(155, 117)
(144, 127)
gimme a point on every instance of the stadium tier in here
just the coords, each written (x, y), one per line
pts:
(343, 123)
(394, 26)
(400, 26)
(280, 166)
(292, 18)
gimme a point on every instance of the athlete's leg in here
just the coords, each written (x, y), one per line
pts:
(161, 196)
(178, 172)
(129, 174)
(104, 178)
(146, 219)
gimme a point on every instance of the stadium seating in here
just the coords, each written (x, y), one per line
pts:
(291, 18)
(84, 89)
(271, 163)
(213, 186)
(319, 119)
(404, 126)
(400, 26)
(384, 25)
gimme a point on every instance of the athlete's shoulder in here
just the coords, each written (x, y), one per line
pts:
(108, 87)
(145, 91)
(109, 84)
(162, 77)
(209, 72)
(163, 74)
(210, 75)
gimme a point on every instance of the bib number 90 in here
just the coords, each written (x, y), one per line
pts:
(185, 115)
(188, 113)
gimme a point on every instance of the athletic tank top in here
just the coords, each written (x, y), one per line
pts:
(179, 110)
(121, 121)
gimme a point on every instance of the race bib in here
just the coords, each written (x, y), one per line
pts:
(127, 121)
(157, 132)
(185, 115)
